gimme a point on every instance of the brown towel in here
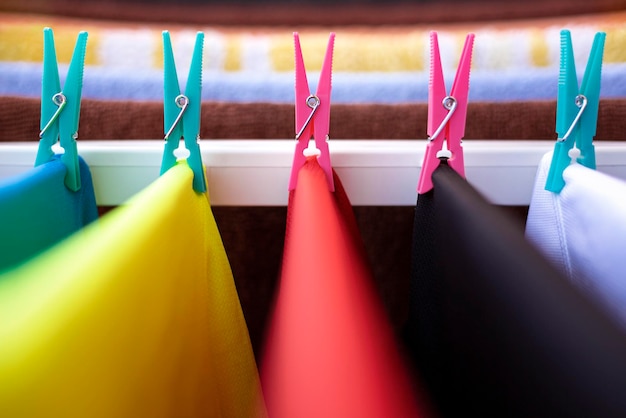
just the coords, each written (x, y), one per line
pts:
(19, 118)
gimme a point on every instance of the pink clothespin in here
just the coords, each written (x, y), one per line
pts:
(312, 113)
(446, 113)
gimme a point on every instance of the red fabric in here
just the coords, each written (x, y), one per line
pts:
(330, 351)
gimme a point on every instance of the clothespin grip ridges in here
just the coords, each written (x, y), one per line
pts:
(171, 114)
(60, 109)
(591, 84)
(52, 100)
(312, 113)
(577, 110)
(182, 112)
(446, 113)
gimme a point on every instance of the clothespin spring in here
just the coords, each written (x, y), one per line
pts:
(581, 102)
(182, 102)
(313, 102)
(59, 100)
(449, 103)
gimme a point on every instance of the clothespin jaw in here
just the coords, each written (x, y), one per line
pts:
(181, 112)
(446, 113)
(577, 110)
(60, 109)
(312, 113)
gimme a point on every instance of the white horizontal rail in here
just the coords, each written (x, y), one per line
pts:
(256, 172)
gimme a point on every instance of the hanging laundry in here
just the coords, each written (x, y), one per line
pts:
(447, 114)
(582, 232)
(49, 203)
(37, 210)
(135, 316)
(507, 335)
(576, 215)
(330, 351)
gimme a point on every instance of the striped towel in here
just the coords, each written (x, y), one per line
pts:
(379, 64)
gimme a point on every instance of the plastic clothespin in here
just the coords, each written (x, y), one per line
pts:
(182, 111)
(446, 113)
(60, 109)
(576, 110)
(312, 113)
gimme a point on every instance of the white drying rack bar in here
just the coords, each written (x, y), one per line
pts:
(256, 172)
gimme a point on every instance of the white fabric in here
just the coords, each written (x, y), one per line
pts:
(582, 231)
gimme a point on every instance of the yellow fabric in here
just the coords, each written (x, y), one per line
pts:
(135, 316)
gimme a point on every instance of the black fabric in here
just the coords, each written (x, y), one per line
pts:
(503, 334)
(424, 318)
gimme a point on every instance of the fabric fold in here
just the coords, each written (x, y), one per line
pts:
(137, 315)
(330, 351)
(497, 331)
(37, 210)
(582, 232)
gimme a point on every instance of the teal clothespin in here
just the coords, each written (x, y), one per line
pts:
(576, 111)
(182, 111)
(60, 109)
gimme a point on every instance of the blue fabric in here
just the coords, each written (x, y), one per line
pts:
(24, 79)
(37, 210)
